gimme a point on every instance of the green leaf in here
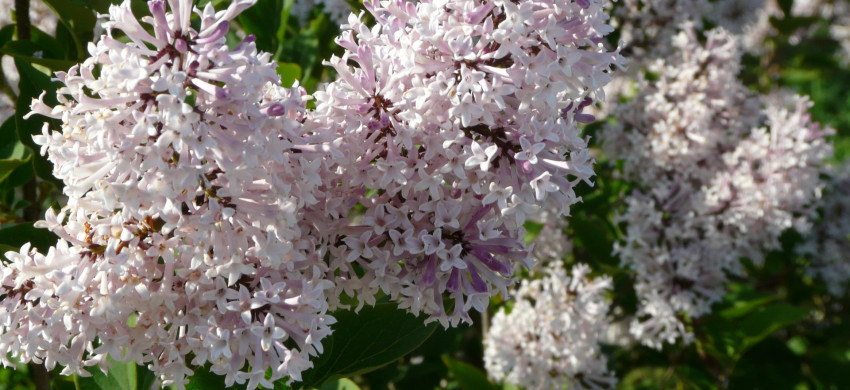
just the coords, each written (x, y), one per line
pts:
(7, 33)
(121, 376)
(768, 365)
(145, 378)
(10, 147)
(532, 230)
(831, 371)
(340, 384)
(365, 341)
(21, 175)
(288, 72)
(203, 379)
(8, 165)
(741, 308)
(786, 5)
(645, 377)
(100, 6)
(17, 235)
(14, 156)
(283, 27)
(33, 82)
(257, 20)
(763, 322)
(467, 376)
(7, 248)
(308, 47)
(78, 19)
(728, 339)
(32, 53)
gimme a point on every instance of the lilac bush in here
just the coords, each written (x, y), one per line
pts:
(545, 194)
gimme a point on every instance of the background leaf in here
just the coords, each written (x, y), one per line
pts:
(78, 19)
(365, 341)
(289, 73)
(121, 376)
(467, 376)
(340, 384)
(33, 83)
(17, 235)
(203, 379)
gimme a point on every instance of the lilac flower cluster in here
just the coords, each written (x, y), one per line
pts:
(184, 167)
(550, 338)
(720, 174)
(451, 121)
(648, 24)
(213, 219)
(551, 243)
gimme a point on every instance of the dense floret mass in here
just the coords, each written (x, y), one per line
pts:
(213, 219)
(720, 172)
(183, 165)
(460, 114)
(550, 338)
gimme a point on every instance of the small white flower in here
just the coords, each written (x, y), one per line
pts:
(480, 157)
(268, 332)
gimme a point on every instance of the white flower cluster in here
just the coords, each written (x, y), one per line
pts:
(827, 246)
(646, 25)
(213, 219)
(551, 243)
(721, 173)
(185, 167)
(550, 338)
(460, 113)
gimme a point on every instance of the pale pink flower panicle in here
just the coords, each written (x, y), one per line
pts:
(185, 164)
(456, 117)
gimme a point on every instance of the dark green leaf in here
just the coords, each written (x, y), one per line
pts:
(646, 378)
(121, 376)
(78, 19)
(365, 341)
(32, 84)
(786, 5)
(257, 19)
(467, 376)
(100, 6)
(283, 27)
(831, 371)
(289, 73)
(20, 175)
(19, 234)
(6, 34)
(145, 378)
(743, 307)
(203, 379)
(31, 53)
(10, 147)
(769, 366)
(8, 165)
(7, 248)
(764, 321)
(340, 384)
